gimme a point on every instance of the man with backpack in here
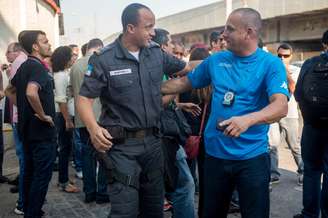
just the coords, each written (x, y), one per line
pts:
(311, 94)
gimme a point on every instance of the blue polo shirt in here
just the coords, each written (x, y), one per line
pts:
(253, 79)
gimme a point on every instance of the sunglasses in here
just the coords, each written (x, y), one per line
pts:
(284, 55)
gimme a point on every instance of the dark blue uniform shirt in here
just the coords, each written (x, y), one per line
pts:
(129, 89)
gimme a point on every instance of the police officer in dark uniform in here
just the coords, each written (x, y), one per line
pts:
(127, 76)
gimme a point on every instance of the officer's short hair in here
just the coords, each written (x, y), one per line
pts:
(95, 43)
(29, 37)
(324, 39)
(285, 46)
(130, 14)
(161, 36)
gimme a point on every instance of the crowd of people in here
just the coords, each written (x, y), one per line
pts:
(149, 124)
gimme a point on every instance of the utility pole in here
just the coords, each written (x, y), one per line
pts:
(228, 4)
(245, 5)
(23, 14)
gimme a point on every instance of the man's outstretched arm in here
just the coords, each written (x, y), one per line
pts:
(100, 137)
(176, 86)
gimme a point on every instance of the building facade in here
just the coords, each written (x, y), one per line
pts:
(18, 15)
(298, 22)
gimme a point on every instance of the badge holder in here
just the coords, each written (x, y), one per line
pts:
(228, 99)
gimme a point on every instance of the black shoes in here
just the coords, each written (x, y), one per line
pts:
(4, 179)
(274, 180)
(14, 182)
(103, 200)
(234, 207)
(89, 198)
(14, 189)
(98, 200)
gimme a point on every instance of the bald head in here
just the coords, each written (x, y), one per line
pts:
(250, 18)
(15, 46)
(13, 51)
(242, 31)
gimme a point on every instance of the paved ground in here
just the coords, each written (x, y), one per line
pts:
(286, 197)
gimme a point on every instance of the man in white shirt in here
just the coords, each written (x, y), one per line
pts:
(288, 127)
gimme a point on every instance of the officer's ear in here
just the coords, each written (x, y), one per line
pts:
(130, 28)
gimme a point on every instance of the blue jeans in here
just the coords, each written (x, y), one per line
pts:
(77, 150)
(65, 148)
(183, 198)
(251, 178)
(20, 155)
(314, 146)
(39, 158)
(93, 185)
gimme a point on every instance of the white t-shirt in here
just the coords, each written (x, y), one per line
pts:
(62, 94)
(135, 54)
(292, 104)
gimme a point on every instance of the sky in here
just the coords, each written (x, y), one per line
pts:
(86, 19)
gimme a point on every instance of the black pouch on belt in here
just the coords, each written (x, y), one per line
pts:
(118, 134)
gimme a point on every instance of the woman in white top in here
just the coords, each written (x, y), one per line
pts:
(61, 61)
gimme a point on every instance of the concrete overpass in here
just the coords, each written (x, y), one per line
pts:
(299, 22)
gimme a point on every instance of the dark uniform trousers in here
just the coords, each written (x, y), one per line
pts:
(140, 158)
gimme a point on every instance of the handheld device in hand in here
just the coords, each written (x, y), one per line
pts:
(220, 127)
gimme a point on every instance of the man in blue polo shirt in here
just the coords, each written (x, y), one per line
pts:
(249, 91)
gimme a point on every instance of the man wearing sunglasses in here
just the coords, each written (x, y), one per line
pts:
(217, 42)
(289, 125)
